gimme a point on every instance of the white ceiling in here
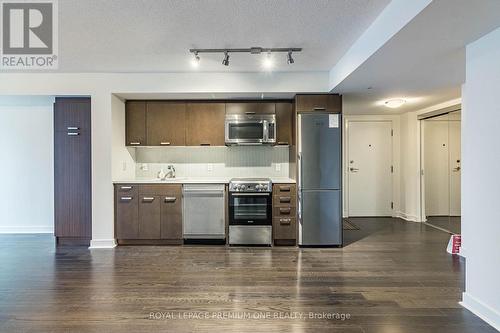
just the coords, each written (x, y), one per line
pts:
(425, 62)
(155, 35)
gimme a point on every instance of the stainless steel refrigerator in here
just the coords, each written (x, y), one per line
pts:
(320, 179)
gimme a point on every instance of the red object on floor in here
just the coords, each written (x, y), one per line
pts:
(456, 243)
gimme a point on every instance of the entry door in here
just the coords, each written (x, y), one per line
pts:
(455, 166)
(369, 168)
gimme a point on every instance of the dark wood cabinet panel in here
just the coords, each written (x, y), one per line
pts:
(149, 217)
(135, 123)
(72, 170)
(284, 228)
(148, 213)
(171, 213)
(126, 214)
(284, 214)
(205, 124)
(166, 123)
(322, 103)
(250, 108)
(284, 120)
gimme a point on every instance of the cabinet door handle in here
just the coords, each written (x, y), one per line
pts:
(170, 199)
(204, 144)
(319, 108)
(73, 133)
(285, 188)
(250, 112)
(285, 221)
(126, 188)
(149, 199)
(283, 143)
(285, 199)
(125, 198)
(73, 128)
(135, 143)
(285, 210)
(165, 143)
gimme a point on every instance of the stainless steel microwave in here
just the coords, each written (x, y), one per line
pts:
(250, 129)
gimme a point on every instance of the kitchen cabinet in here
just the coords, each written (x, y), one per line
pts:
(171, 214)
(284, 121)
(126, 211)
(166, 123)
(148, 214)
(205, 124)
(149, 217)
(135, 123)
(284, 214)
(331, 103)
(72, 167)
(249, 108)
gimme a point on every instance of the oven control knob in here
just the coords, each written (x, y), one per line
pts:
(242, 187)
(263, 187)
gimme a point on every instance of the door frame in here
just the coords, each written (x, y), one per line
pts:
(395, 182)
(421, 157)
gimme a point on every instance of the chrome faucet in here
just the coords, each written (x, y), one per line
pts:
(170, 172)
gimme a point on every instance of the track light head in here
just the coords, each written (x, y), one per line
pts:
(289, 58)
(225, 61)
(196, 60)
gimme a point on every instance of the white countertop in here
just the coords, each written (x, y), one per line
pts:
(193, 180)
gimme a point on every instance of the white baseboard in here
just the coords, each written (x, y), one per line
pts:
(102, 243)
(406, 217)
(483, 311)
(30, 229)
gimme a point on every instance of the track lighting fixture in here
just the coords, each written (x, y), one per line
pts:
(225, 61)
(267, 62)
(196, 60)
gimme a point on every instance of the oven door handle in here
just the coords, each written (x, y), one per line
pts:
(251, 194)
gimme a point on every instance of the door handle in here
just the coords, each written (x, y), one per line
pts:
(126, 188)
(285, 210)
(170, 199)
(285, 199)
(285, 221)
(73, 133)
(135, 143)
(149, 199)
(70, 128)
(125, 198)
(165, 143)
(354, 169)
(457, 169)
(250, 112)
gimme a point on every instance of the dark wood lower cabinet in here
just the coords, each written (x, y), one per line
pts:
(284, 214)
(72, 171)
(148, 214)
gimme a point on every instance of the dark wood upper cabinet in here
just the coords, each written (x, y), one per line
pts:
(166, 123)
(135, 123)
(284, 123)
(205, 124)
(250, 108)
(322, 103)
(72, 170)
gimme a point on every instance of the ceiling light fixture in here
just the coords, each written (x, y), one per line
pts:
(195, 62)
(268, 62)
(225, 61)
(395, 103)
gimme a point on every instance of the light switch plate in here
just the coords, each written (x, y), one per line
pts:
(278, 166)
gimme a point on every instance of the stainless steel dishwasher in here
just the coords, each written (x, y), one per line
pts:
(203, 211)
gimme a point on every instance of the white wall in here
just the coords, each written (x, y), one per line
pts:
(480, 182)
(101, 87)
(27, 168)
(123, 159)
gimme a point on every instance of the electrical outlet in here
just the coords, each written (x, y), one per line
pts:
(210, 167)
(144, 167)
(278, 166)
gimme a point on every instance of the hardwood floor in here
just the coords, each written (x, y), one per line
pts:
(392, 276)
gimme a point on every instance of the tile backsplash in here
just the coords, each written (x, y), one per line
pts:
(248, 161)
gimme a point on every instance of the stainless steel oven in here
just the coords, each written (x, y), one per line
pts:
(250, 129)
(250, 211)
